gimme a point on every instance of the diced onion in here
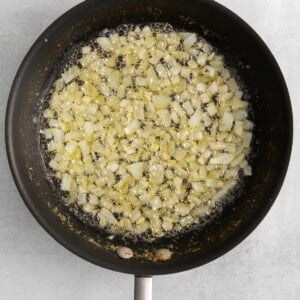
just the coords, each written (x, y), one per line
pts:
(136, 170)
(149, 132)
(161, 101)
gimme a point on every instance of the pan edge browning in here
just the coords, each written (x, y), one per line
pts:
(242, 49)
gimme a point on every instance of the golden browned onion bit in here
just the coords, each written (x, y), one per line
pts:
(163, 254)
(125, 252)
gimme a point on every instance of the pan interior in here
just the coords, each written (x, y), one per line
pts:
(69, 59)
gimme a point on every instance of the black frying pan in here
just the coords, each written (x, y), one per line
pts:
(244, 51)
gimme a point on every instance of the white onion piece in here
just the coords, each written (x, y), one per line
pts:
(161, 101)
(66, 182)
(227, 121)
(195, 119)
(71, 74)
(136, 170)
(132, 127)
(105, 43)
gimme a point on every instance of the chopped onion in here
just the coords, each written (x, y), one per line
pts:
(132, 127)
(190, 41)
(71, 74)
(151, 132)
(188, 107)
(105, 44)
(161, 101)
(136, 170)
(227, 121)
(195, 119)
(223, 159)
(66, 182)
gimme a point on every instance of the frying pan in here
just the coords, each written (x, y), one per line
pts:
(271, 112)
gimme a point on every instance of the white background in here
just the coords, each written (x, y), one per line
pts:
(265, 266)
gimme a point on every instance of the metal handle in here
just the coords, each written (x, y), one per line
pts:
(142, 288)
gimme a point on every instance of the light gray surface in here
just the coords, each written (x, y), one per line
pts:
(265, 266)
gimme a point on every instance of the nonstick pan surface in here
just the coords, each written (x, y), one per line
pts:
(258, 71)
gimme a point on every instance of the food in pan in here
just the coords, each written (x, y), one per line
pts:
(148, 130)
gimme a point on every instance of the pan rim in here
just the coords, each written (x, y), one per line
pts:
(155, 269)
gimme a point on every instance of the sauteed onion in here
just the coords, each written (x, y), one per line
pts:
(148, 131)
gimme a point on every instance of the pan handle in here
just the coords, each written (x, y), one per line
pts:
(143, 288)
